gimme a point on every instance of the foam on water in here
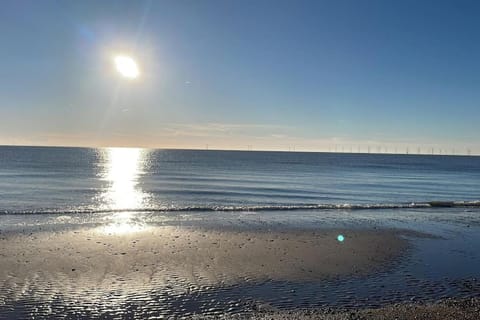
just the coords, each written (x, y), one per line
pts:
(297, 207)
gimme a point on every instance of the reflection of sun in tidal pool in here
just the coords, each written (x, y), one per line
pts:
(340, 238)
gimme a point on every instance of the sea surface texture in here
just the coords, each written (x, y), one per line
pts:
(140, 234)
(76, 180)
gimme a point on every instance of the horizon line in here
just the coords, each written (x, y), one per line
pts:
(248, 149)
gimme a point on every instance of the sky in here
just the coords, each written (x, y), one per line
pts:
(263, 75)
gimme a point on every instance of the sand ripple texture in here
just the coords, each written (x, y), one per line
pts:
(179, 272)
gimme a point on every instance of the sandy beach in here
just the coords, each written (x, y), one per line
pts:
(84, 271)
(88, 265)
(199, 256)
(188, 272)
(240, 265)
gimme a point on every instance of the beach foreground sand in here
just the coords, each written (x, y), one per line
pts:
(199, 256)
(174, 270)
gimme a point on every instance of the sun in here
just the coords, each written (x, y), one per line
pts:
(127, 67)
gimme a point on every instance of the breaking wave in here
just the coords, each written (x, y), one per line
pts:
(253, 208)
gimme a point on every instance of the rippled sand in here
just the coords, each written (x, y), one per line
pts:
(204, 257)
(100, 269)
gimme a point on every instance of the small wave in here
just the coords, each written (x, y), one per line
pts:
(233, 208)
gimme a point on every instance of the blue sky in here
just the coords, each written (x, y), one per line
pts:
(271, 74)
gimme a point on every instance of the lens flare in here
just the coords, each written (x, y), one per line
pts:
(340, 238)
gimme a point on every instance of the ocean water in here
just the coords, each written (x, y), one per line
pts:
(119, 191)
(83, 180)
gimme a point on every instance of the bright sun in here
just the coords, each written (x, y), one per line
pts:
(127, 67)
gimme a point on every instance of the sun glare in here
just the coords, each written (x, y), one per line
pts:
(124, 166)
(127, 67)
(122, 171)
(123, 223)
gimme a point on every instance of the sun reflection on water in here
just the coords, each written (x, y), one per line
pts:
(124, 166)
(123, 169)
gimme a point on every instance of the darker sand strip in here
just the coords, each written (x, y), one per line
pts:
(451, 309)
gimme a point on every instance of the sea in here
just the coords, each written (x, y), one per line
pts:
(50, 188)
(36, 180)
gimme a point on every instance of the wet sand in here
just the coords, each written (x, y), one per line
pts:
(204, 257)
(95, 268)
(133, 271)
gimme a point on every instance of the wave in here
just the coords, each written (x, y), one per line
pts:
(255, 208)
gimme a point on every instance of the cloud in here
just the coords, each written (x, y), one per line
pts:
(215, 129)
